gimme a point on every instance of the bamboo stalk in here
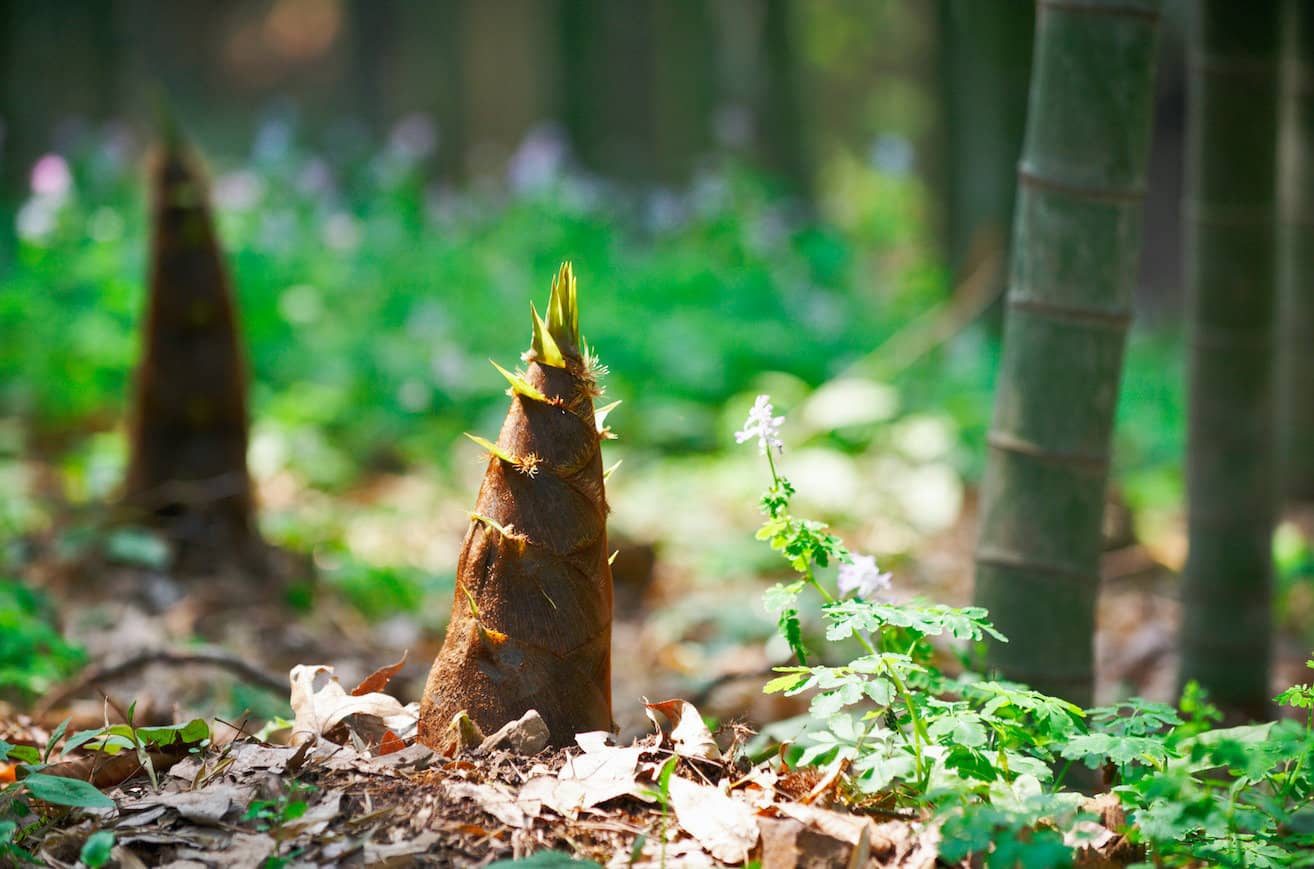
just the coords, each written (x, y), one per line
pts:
(1231, 261)
(1076, 243)
(1296, 342)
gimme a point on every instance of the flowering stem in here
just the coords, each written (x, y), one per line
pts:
(920, 734)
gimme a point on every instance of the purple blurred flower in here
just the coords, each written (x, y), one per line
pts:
(863, 578)
(50, 176)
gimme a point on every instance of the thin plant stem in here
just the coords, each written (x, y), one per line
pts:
(920, 734)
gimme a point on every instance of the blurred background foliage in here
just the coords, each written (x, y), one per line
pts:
(806, 199)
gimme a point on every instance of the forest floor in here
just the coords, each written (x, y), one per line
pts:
(168, 649)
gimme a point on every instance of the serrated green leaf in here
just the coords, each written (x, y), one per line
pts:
(781, 596)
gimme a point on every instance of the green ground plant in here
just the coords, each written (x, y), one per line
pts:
(33, 654)
(990, 758)
(20, 817)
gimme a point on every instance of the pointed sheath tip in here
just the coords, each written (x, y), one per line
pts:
(166, 122)
(492, 449)
(519, 385)
(600, 415)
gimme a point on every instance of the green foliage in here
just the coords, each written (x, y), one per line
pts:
(17, 817)
(287, 806)
(33, 655)
(981, 753)
(271, 816)
(96, 850)
(365, 296)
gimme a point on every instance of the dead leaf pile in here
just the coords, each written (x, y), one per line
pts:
(356, 788)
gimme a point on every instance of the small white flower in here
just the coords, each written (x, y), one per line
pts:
(763, 426)
(863, 577)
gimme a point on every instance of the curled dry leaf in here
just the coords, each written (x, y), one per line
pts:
(318, 711)
(689, 735)
(107, 771)
(379, 679)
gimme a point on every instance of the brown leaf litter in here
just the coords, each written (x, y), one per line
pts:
(340, 798)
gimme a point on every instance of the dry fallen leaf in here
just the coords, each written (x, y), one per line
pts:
(495, 799)
(318, 711)
(689, 735)
(207, 807)
(601, 773)
(725, 826)
(379, 679)
(317, 818)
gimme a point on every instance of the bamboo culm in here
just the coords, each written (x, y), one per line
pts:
(1076, 243)
(1231, 283)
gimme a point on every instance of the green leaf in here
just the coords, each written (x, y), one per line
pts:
(1134, 717)
(965, 729)
(21, 753)
(788, 682)
(55, 736)
(781, 597)
(190, 733)
(1093, 748)
(66, 791)
(96, 850)
(792, 630)
(138, 547)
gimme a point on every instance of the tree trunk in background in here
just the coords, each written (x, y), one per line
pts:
(1230, 251)
(684, 86)
(450, 110)
(607, 85)
(1075, 248)
(373, 28)
(1296, 340)
(187, 472)
(8, 163)
(783, 140)
(985, 62)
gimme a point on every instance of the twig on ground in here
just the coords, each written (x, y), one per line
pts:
(96, 674)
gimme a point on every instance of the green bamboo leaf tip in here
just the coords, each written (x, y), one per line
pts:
(166, 123)
(558, 335)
